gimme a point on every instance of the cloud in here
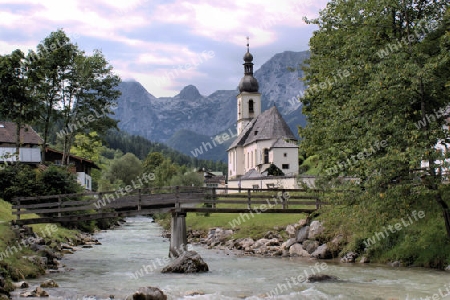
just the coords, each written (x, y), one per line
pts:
(143, 39)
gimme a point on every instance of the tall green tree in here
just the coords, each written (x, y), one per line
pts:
(48, 66)
(378, 72)
(16, 101)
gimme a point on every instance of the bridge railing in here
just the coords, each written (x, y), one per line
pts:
(90, 206)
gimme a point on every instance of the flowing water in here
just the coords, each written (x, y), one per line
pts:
(116, 268)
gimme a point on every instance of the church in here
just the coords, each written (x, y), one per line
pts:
(264, 138)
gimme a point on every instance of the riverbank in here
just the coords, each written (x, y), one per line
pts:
(28, 252)
(414, 238)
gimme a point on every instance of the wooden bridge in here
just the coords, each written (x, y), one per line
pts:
(175, 200)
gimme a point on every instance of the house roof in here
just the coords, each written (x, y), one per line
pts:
(27, 134)
(74, 157)
(268, 125)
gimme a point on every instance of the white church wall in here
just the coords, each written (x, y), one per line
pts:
(282, 182)
(286, 156)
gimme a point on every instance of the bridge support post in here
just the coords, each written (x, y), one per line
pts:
(178, 237)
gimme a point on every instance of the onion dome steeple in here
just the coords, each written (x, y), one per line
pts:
(248, 82)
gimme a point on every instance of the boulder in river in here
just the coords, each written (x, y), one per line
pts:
(188, 262)
(148, 293)
(321, 278)
(49, 283)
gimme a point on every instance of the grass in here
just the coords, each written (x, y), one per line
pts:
(246, 225)
(255, 227)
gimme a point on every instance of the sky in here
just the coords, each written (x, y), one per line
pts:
(166, 45)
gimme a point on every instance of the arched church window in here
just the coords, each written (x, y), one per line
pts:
(250, 106)
(266, 156)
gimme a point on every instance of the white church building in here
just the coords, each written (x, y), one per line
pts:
(264, 138)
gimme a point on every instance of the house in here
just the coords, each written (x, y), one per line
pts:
(264, 139)
(213, 179)
(442, 147)
(30, 152)
(30, 144)
(80, 165)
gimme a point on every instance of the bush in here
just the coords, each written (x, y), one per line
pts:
(21, 180)
(58, 180)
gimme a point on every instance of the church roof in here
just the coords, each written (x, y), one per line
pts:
(268, 125)
(281, 143)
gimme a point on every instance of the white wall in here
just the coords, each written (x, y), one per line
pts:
(291, 159)
(27, 155)
(286, 182)
(84, 180)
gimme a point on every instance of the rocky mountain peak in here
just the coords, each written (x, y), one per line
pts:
(189, 92)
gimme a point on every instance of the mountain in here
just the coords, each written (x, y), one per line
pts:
(190, 121)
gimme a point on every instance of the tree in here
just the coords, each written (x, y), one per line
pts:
(165, 172)
(124, 169)
(378, 72)
(16, 101)
(87, 99)
(87, 146)
(189, 179)
(48, 66)
(152, 161)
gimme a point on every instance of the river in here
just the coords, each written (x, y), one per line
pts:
(112, 268)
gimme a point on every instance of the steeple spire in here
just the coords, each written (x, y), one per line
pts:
(248, 82)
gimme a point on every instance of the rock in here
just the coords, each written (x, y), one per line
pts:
(322, 252)
(87, 246)
(396, 264)
(315, 229)
(322, 278)
(40, 292)
(310, 246)
(291, 231)
(26, 294)
(364, 260)
(448, 268)
(148, 293)
(193, 293)
(246, 243)
(302, 234)
(20, 285)
(49, 283)
(337, 240)
(297, 250)
(302, 222)
(188, 262)
(349, 257)
(288, 243)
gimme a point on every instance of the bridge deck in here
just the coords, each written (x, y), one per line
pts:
(93, 206)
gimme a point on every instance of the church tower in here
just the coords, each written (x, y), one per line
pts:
(249, 99)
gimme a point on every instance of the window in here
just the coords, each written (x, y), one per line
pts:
(250, 106)
(285, 154)
(266, 156)
(285, 166)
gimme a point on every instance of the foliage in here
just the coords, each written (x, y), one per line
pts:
(189, 179)
(141, 147)
(58, 84)
(165, 172)
(153, 161)
(58, 180)
(273, 170)
(22, 181)
(124, 169)
(18, 181)
(378, 72)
